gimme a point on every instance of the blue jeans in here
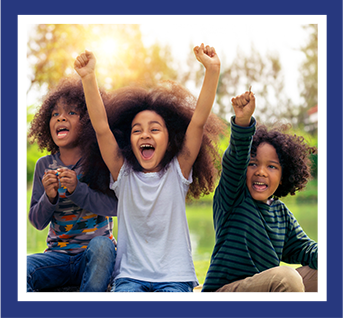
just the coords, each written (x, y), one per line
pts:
(133, 285)
(91, 270)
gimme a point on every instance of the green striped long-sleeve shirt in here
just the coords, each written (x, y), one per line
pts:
(251, 236)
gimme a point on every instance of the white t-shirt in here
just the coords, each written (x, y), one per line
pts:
(153, 236)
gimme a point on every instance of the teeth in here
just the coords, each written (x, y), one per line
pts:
(259, 183)
(146, 146)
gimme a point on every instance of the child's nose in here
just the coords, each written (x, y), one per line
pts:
(62, 117)
(261, 171)
(145, 135)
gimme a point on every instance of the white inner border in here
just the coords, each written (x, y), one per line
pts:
(25, 20)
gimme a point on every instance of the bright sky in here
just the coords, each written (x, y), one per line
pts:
(227, 35)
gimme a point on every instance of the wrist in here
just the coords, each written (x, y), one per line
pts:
(213, 68)
(88, 77)
(242, 122)
(52, 200)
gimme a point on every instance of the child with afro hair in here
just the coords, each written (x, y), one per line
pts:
(255, 231)
(160, 146)
(80, 244)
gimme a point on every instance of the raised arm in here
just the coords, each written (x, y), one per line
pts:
(236, 158)
(85, 67)
(244, 107)
(208, 57)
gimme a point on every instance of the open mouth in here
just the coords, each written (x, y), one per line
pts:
(62, 132)
(147, 151)
(259, 186)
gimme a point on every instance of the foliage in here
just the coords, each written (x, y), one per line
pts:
(33, 152)
(122, 57)
(309, 72)
(263, 73)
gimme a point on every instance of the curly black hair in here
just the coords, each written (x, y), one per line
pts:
(175, 105)
(70, 90)
(293, 153)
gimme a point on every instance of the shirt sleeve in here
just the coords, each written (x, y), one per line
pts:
(234, 164)
(41, 209)
(299, 248)
(94, 201)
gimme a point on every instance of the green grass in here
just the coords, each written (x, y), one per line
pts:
(201, 268)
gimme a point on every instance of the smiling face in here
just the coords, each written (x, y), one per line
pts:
(149, 140)
(264, 173)
(65, 125)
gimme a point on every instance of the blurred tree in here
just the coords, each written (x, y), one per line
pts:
(122, 58)
(263, 73)
(309, 72)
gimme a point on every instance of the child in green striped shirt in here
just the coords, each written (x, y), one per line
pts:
(255, 231)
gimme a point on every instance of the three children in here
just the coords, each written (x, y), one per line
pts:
(160, 147)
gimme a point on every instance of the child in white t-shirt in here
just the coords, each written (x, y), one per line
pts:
(158, 148)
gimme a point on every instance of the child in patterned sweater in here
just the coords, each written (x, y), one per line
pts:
(81, 247)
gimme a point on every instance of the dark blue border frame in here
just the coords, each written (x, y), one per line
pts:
(12, 308)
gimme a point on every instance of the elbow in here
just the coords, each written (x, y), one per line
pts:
(103, 132)
(37, 225)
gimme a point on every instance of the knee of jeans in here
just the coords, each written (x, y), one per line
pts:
(288, 279)
(102, 245)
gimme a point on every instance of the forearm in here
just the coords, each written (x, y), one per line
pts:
(238, 152)
(41, 212)
(107, 143)
(299, 248)
(41, 209)
(234, 163)
(95, 106)
(206, 96)
(304, 252)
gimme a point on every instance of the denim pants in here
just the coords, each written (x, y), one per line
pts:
(91, 270)
(133, 285)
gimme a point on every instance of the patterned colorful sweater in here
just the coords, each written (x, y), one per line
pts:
(251, 236)
(75, 218)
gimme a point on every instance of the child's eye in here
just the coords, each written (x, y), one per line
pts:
(155, 129)
(252, 164)
(72, 113)
(273, 167)
(54, 114)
